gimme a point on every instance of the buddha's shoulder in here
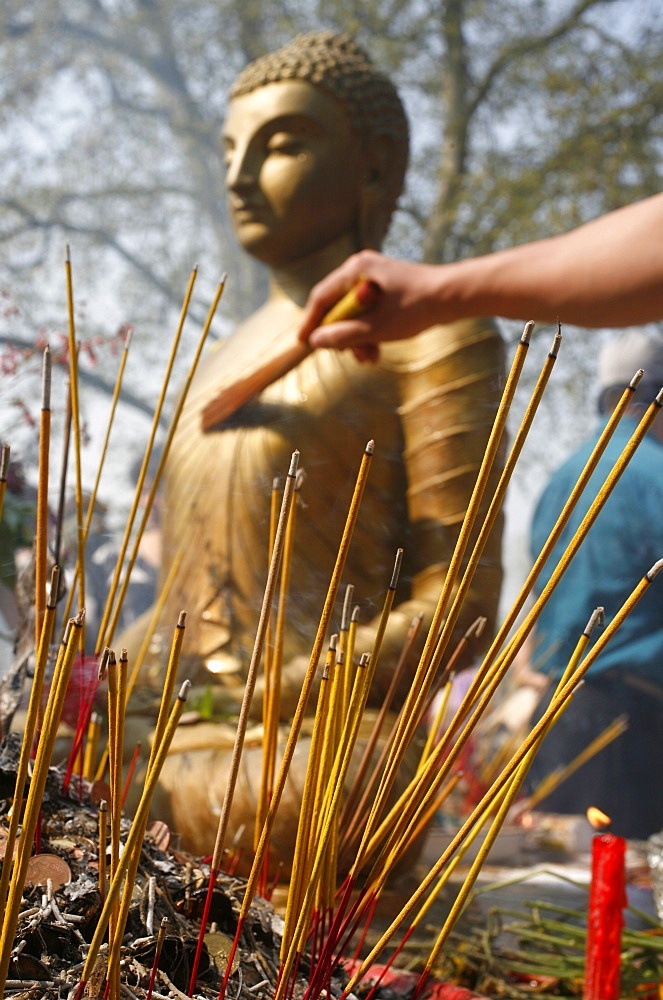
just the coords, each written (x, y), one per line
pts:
(444, 341)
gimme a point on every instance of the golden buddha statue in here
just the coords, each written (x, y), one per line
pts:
(316, 147)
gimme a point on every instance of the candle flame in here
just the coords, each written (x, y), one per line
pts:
(598, 819)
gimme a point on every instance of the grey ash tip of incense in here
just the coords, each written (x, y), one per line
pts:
(46, 380)
(370, 447)
(397, 569)
(294, 462)
(556, 344)
(103, 663)
(656, 568)
(184, 691)
(596, 620)
(633, 384)
(4, 462)
(527, 332)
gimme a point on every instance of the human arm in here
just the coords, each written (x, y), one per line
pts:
(608, 272)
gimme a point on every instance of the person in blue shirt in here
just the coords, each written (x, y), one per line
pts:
(625, 780)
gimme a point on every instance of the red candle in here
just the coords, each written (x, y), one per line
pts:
(605, 918)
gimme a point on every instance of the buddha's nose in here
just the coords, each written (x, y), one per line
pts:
(241, 169)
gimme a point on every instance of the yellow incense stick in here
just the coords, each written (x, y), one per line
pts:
(352, 809)
(300, 869)
(271, 694)
(273, 703)
(115, 777)
(103, 837)
(41, 532)
(116, 757)
(349, 655)
(268, 600)
(168, 687)
(76, 429)
(554, 780)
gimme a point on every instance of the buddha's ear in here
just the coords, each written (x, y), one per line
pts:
(380, 189)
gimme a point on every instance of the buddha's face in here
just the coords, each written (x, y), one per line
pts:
(294, 172)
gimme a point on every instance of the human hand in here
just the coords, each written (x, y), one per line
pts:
(405, 306)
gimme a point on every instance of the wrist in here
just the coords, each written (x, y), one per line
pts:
(459, 290)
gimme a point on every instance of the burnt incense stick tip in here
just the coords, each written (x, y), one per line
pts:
(46, 379)
(398, 562)
(111, 661)
(54, 587)
(181, 620)
(184, 691)
(355, 613)
(476, 628)
(276, 483)
(655, 570)
(635, 381)
(347, 601)
(299, 479)
(556, 344)
(370, 447)
(128, 338)
(294, 462)
(4, 462)
(124, 656)
(596, 620)
(364, 660)
(80, 618)
(527, 332)
(333, 642)
(103, 663)
(659, 398)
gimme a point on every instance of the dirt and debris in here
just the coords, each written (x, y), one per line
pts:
(62, 903)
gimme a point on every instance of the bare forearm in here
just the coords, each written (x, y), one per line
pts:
(606, 273)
